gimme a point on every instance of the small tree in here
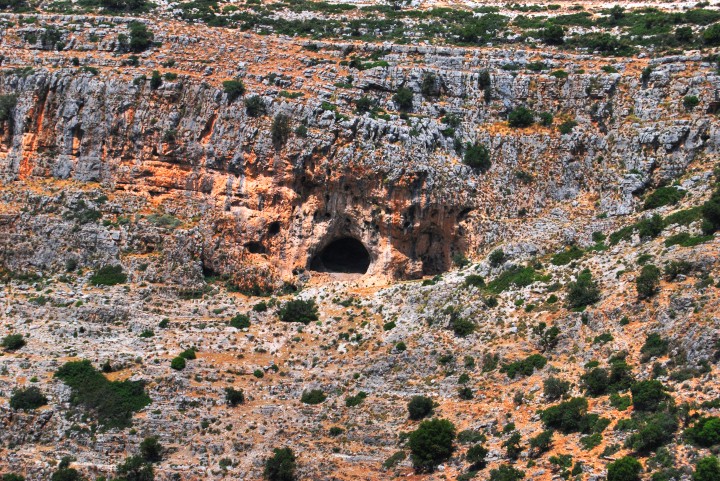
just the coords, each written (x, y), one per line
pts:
(512, 446)
(151, 449)
(476, 456)
(403, 98)
(314, 396)
(281, 465)
(420, 407)
(140, 37)
(298, 310)
(624, 469)
(647, 395)
(234, 396)
(178, 363)
(280, 130)
(506, 473)
(583, 291)
(431, 444)
(648, 282)
(7, 107)
(13, 342)
(30, 398)
(477, 156)
(429, 86)
(707, 469)
(690, 102)
(234, 89)
(240, 321)
(255, 106)
(521, 117)
(555, 388)
(541, 443)
(553, 35)
(135, 468)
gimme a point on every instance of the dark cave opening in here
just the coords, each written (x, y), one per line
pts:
(346, 255)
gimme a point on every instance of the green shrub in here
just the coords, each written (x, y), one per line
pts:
(12, 477)
(583, 291)
(711, 35)
(653, 432)
(112, 403)
(541, 443)
(108, 276)
(705, 432)
(298, 310)
(647, 395)
(524, 367)
(188, 354)
(521, 117)
(403, 98)
(240, 321)
(474, 280)
(555, 388)
(7, 107)
(708, 468)
(648, 282)
(255, 106)
(431, 444)
(710, 210)
(496, 257)
(394, 460)
(567, 126)
(506, 472)
(140, 37)
(476, 456)
(30, 398)
(654, 346)
(567, 256)
(429, 86)
(553, 34)
(356, 400)
(517, 276)
(568, 416)
(335, 431)
(651, 227)
(234, 396)
(461, 326)
(280, 130)
(477, 156)
(13, 342)
(690, 102)
(234, 89)
(590, 441)
(281, 466)
(151, 450)
(178, 363)
(134, 468)
(314, 396)
(624, 469)
(420, 407)
(663, 196)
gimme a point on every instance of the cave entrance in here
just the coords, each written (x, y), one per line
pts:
(346, 255)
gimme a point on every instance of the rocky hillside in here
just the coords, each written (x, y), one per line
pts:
(263, 236)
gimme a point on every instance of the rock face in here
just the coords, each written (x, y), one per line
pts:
(258, 205)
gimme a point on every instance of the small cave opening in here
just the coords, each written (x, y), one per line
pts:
(255, 247)
(345, 255)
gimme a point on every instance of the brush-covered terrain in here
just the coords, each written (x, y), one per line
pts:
(326, 241)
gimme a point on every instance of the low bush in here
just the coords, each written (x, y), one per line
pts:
(431, 444)
(13, 342)
(298, 310)
(521, 117)
(234, 396)
(314, 396)
(108, 276)
(112, 403)
(420, 407)
(30, 398)
(281, 466)
(524, 367)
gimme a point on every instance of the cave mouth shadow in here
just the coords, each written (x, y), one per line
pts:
(345, 255)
